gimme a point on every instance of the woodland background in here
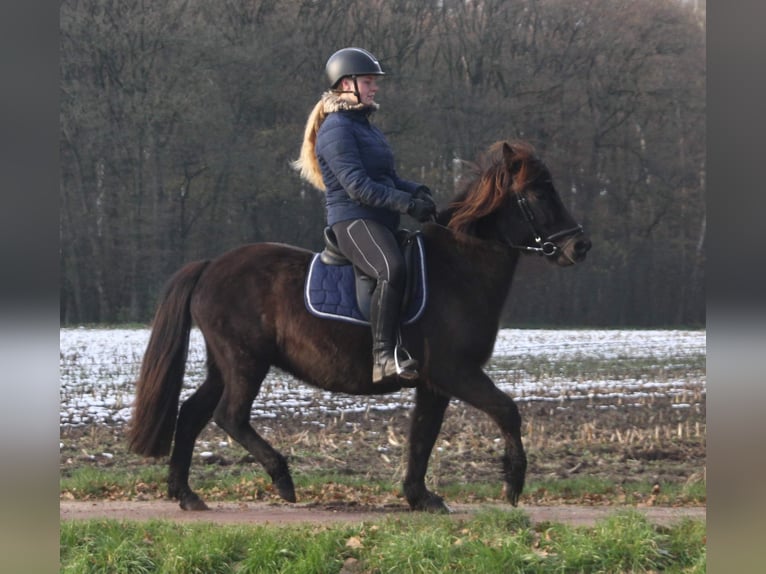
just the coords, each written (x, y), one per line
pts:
(178, 120)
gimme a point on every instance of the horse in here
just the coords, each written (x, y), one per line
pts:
(248, 304)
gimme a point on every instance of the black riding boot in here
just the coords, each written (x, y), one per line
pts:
(384, 320)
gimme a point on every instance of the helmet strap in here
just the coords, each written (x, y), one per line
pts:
(355, 91)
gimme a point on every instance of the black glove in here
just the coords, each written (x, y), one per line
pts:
(422, 192)
(422, 209)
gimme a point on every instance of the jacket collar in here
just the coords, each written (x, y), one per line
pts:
(333, 103)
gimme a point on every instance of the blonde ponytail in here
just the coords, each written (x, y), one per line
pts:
(307, 164)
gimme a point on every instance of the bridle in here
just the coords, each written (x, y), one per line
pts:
(546, 246)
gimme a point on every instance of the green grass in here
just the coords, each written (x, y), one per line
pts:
(491, 542)
(88, 482)
(606, 490)
(233, 484)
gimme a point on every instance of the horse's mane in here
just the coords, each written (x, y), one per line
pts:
(484, 191)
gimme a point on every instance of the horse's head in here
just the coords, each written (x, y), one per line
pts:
(513, 200)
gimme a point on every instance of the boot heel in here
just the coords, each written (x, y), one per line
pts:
(384, 372)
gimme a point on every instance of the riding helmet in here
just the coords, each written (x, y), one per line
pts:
(351, 62)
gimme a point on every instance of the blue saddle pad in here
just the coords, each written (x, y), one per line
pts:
(330, 290)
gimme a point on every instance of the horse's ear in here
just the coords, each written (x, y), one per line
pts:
(507, 152)
(510, 157)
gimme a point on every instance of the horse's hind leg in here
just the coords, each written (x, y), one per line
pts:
(194, 414)
(427, 419)
(233, 416)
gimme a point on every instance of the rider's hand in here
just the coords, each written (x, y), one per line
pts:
(422, 192)
(422, 209)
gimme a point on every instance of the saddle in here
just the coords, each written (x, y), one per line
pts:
(337, 289)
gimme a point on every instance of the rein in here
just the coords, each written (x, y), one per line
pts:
(547, 247)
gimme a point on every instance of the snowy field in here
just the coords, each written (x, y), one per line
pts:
(98, 368)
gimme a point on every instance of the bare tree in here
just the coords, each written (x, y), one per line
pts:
(179, 120)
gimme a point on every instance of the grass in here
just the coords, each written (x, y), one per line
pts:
(595, 451)
(249, 484)
(492, 541)
(597, 490)
(88, 483)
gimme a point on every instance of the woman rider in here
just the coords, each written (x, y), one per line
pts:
(348, 158)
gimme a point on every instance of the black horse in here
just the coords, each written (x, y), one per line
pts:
(248, 304)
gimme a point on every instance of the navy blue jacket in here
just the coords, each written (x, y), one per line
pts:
(358, 171)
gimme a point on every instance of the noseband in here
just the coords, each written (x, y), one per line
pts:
(546, 246)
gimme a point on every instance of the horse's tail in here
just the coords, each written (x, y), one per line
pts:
(162, 370)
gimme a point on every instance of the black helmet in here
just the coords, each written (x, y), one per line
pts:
(351, 62)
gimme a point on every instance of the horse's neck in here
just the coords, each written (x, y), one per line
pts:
(484, 268)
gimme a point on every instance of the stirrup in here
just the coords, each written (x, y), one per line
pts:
(408, 368)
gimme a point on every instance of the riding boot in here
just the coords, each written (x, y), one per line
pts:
(389, 361)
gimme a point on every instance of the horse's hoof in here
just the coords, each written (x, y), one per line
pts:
(515, 472)
(511, 494)
(432, 503)
(193, 502)
(285, 488)
(438, 508)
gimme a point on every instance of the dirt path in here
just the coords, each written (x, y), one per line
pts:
(278, 514)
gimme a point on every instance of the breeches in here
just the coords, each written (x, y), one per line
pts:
(373, 248)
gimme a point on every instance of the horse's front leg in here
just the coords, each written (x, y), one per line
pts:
(427, 417)
(478, 390)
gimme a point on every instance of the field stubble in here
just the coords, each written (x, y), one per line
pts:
(613, 416)
(655, 444)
